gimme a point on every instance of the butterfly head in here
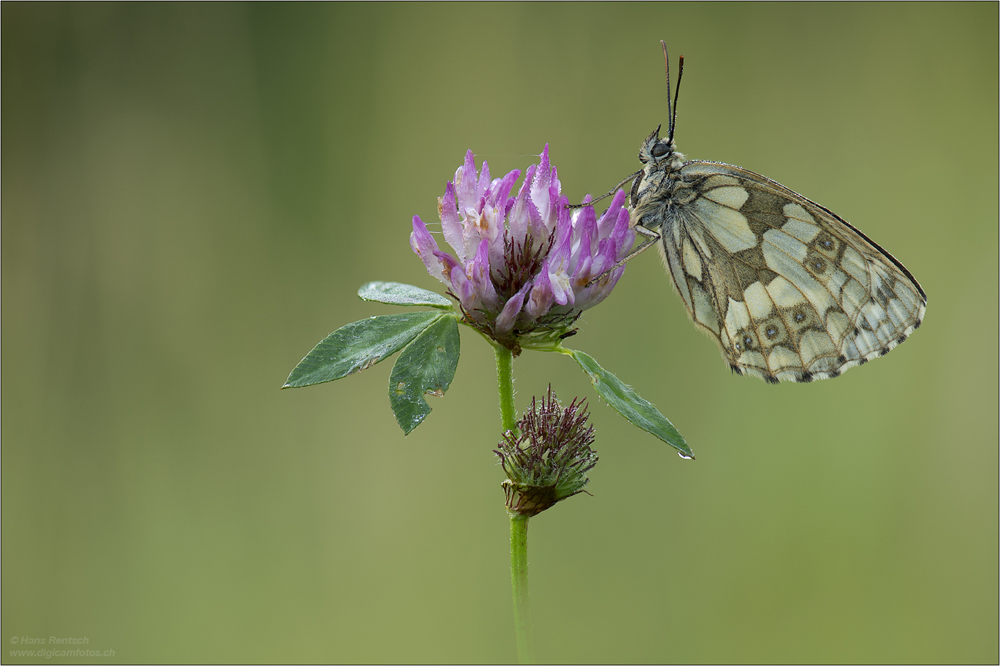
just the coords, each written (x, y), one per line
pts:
(660, 161)
(655, 150)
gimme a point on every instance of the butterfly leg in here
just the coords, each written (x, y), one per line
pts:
(649, 237)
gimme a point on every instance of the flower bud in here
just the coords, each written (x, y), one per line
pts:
(547, 459)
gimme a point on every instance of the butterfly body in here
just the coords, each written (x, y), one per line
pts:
(789, 290)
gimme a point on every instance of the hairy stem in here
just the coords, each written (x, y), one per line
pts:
(519, 585)
(505, 380)
(518, 523)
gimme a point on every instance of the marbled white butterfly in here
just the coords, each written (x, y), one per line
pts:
(789, 290)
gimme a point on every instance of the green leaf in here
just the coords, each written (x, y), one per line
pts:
(630, 404)
(397, 293)
(358, 346)
(426, 366)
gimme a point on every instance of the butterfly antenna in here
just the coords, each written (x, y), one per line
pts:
(677, 94)
(666, 68)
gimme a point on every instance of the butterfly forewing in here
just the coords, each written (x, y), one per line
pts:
(790, 291)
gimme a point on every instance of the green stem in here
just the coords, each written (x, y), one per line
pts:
(519, 585)
(505, 379)
(518, 523)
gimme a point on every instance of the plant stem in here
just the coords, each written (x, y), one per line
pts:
(518, 523)
(505, 380)
(519, 585)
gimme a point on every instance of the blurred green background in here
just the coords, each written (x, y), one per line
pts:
(192, 194)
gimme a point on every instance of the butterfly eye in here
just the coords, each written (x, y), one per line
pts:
(660, 149)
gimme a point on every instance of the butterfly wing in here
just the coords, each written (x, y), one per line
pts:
(790, 291)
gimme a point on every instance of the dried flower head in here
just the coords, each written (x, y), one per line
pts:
(524, 264)
(548, 460)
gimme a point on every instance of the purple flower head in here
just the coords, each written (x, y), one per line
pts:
(523, 262)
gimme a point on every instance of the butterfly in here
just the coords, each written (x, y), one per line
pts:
(789, 290)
